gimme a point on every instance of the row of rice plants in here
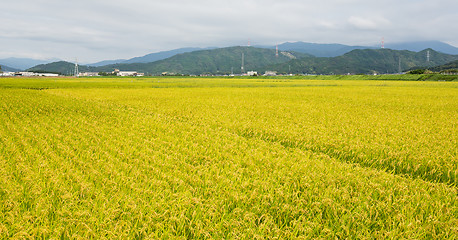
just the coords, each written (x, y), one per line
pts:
(405, 128)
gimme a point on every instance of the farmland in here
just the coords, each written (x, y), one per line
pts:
(227, 158)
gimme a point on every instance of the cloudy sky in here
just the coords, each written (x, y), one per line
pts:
(94, 30)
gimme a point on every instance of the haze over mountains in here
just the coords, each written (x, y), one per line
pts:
(226, 60)
(23, 63)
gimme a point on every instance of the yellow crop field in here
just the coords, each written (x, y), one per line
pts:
(227, 158)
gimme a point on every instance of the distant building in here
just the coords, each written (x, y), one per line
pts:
(270, 73)
(25, 74)
(29, 74)
(47, 74)
(88, 74)
(252, 73)
(7, 74)
(168, 74)
(130, 74)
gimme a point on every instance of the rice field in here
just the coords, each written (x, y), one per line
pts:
(227, 158)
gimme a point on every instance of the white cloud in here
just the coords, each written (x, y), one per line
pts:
(368, 23)
(362, 23)
(97, 30)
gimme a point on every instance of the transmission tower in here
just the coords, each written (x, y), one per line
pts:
(76, 73)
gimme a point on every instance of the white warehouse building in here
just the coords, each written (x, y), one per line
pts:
(130, 73)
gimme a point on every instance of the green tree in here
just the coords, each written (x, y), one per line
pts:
(417, 71)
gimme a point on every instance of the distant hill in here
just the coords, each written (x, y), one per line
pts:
(227, 60)
(221, 60)
(8, 69)
(318, 49)
(106, 62)
(22, 63)
(365, 61)
(152, 57)
(315, 49)
(418, 46)
(447, 66)
(62, 67)
(334, 50)
(215, 61)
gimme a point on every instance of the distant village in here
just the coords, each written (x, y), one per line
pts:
(28, 74)
(116, 72)
(119, 73)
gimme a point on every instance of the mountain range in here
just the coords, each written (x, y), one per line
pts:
(230, 60)
(22, 63)
(152, 57)
(366, 61)
(316, 49)
(418, 46)
(215, 61)
(8, 69)
(334, 50)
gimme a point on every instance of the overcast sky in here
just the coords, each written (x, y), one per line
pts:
(94, 30)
